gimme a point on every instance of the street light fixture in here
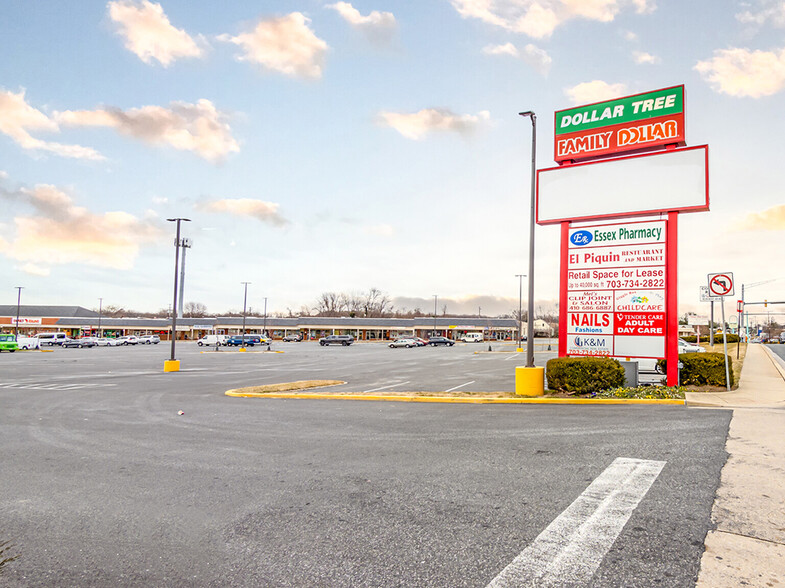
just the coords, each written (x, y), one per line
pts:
(520, 308)
(530, 319)
(18, 305)
(173, 365)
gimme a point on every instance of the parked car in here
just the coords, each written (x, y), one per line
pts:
(265, 340)
(212, 340)
(436, 341)
(27, 342)
(128, 340)
(8, 342)
(685, 347)
(107, 342)
(293, 337)
(336, 340)
(472, 338)
(51, 338)
(420, 341)
(150, 339)
(244, 341)
(404, 342)
(81, 342)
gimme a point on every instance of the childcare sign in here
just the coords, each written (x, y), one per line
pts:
(632, 123)
(615, 289)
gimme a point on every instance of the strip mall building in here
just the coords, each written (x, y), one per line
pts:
(77, 321)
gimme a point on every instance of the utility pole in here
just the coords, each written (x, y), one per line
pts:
(530, 319)
(264, 323)
(100, 308)
(520, 309)
(245, 300)
(435, 298)
(174, 296)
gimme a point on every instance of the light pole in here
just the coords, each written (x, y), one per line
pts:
(530, 319)
(175, 366)
(245, 300)
(435, 298)
(100, 308)
(264, 322)
(520, 308)
(184, 244)
(18, 305)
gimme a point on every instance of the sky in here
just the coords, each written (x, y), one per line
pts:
(333, 146)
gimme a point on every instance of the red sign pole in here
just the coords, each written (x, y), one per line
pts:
(565, 246)
(672, 300)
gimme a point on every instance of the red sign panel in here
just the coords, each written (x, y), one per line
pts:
(625, 137)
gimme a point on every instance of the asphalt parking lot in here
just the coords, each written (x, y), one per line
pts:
(108, 485)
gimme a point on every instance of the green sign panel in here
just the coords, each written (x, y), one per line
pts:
(630, 109)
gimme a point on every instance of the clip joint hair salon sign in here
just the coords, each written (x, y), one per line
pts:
(616, 290)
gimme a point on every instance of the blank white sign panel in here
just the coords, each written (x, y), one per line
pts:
(666, 181)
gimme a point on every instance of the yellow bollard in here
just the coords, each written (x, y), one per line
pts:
(242, 349)
(530, 381)
(172, 365)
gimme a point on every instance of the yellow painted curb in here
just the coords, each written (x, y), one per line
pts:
(461, 400)
(234, 392)
(239, 351)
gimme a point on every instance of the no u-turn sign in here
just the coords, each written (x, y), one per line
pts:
(721, 284)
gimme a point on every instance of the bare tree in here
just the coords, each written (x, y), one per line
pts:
(194, 310)
(377, 304)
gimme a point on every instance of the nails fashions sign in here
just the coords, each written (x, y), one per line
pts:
(633, 123)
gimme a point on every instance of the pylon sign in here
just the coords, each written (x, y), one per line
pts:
(721, 284)
(619, 223)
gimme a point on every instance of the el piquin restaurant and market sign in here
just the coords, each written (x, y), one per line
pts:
(633, 123)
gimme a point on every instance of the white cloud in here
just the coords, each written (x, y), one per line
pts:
(200, 127)
(149, 34)
(630, 36)
(34, 270)
(285, 45)
(506, 49)
(641, 57)
(531, 54)
(770, 13)
(745, 73)
(381, 230)
(3, 175)
(418, 124)
(377, 25)
(160, 200)
(539, 18)
(62, 233)
(18, 119)
(266, 212)
(772, 219)
(594, 91)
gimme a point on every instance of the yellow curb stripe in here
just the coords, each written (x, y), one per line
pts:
(459, 400)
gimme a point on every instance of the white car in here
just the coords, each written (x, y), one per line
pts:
(128, 340)
(404, 342)
(150, 339)
(106, 342)
(685, 347)
(27, 342)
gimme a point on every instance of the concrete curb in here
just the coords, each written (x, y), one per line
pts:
(449, 400)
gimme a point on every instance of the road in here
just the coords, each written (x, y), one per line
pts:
(110, 486)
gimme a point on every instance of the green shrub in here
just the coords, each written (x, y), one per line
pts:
(717, 338)
(579, 375)
(702, 369)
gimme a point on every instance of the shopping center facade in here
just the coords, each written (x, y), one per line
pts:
(77, 321)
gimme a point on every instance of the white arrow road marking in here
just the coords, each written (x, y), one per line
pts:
(571, 548)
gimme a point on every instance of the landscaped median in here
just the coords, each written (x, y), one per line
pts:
(317, 389)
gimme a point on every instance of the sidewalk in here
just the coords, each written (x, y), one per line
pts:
(748, 546)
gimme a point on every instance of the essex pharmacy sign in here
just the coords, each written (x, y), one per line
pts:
(615, 290)
(642, 121)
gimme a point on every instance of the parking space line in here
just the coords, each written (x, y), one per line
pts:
(571, 548)
(385, 387)
(461, 386)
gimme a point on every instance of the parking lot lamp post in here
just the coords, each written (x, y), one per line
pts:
(530, 319)
(520, 308)
(100, 308)
(18, 305)
(174, 366)
(264, 323)
(245, 299)
(435, 298)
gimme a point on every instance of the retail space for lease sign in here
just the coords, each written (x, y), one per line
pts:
(615, 289)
